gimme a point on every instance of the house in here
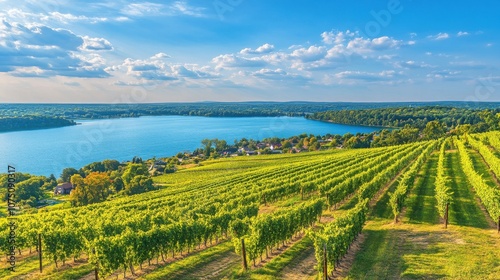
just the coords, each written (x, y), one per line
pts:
(64, 188)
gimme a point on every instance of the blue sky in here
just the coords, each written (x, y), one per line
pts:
(241, 50)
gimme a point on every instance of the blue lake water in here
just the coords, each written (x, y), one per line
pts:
(47, 151)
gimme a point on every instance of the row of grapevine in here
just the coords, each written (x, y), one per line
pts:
(333, 242)
(349, 186)
(268, 231)
(491, 159)
(443, 190)
(397, 198)
(135, 247)
(490, 196)
(337, 236)
(367, 190)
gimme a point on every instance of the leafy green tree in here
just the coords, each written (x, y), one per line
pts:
(118, 184)
(29, 190)
(111, 164)
(91, 189)
(67, 173)
(132, 170)
(434, 130)
(207, 143)
(220, 145)
(139, 184)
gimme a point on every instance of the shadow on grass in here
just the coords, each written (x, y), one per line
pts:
(385, 254)
(464, 209)
(382, 209)
(421, 203)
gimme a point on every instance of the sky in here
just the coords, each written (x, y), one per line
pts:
(59, 51)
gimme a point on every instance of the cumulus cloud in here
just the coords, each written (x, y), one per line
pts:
(312, 53)
(95, 44)
(463, 33)
(41, 51)
(337, 37)
(156, 68)
(266, 48)
(279, 75)
(232, 61)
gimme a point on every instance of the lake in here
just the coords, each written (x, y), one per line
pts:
(47, 151)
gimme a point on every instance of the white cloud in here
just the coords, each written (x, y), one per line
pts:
(155, 9)
(29, 18)
(95, 44)
(445, 75)
(337, 37)
(411, 64)
(140, 9)
(232, 61)
(312, 53)
(439, 36)
(70, 17)
(387, 77)
(181, 7)
(366, 76)
(160, 55)
(156, 68)
(279, 75)
(463, 33)
(266, 48)
(39, 50)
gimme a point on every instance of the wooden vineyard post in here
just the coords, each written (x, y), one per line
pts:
(498, 225)
(446, 216)
(244, 254)
(40, 250)
(325, 264)
(96, 269)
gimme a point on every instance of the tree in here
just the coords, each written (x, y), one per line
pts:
(91, 189)
(132, 170)
(139, 184)
(29, 190)
(67, 173)
(78, 195)
(98, 186)
(220, 145)
(208, 146)
(118, 184)
(434, 130)
(111, 164)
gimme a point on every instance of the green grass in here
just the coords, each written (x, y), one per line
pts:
(30, 265)
(463, 210)
(273, 269)
(186, 267)
(421, 203)
(420, 248)
(481, 168)
(69, 274)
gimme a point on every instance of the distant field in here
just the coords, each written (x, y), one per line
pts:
(187, 229)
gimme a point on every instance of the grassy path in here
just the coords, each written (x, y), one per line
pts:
(464, 210)
(421, 204)
(420, 248)
(207, 264)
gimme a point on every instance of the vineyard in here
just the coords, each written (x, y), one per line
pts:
(427, 209)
